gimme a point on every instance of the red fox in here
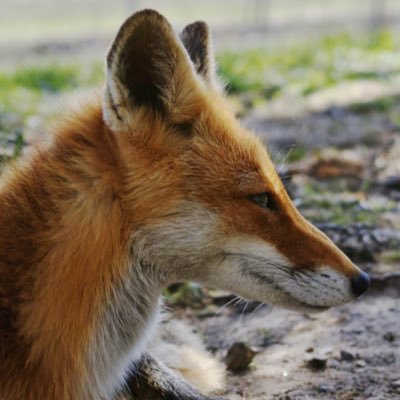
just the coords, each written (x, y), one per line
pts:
(152, 182)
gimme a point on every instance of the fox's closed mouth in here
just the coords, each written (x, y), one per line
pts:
(294, 300)
(280, 277)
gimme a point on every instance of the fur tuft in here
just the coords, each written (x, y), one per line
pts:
(182, 350)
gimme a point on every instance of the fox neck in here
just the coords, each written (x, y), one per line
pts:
(128, 323)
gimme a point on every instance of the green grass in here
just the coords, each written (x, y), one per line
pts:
(24, 89)
(185, 293)
(321, 201)
(50, 77)
(295, 154)
(382, 104)
(391, 257)
(266, 73)
(307, 68)
(47, 78)
(303, 68)
(320, 210)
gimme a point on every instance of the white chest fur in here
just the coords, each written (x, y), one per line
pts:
(128, 324)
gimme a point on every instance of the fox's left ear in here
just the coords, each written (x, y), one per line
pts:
(147, 69)
(197, 40)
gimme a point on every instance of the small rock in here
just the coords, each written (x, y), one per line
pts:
(323, 388)
(239, 357)
(335, 112)
(396, 383)
(392, 183)
(346, 356)
(389, 336)
(361, 363)
(310, 350)
(331, 164)
(316, 364)
(335, 364)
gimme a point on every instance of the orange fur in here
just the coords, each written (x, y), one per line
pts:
(62, 241)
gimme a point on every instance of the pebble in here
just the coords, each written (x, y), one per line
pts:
(310, 350)
(346, 356)
(323, 388)
(392, 183)
(389, 336)
(317, 364)
(361, 363)
(396, 383)
(239, 357)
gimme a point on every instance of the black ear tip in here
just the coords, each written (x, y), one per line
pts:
(196, 39)
(147, 13)
(143, 16)
(198, 28)
(141, 23)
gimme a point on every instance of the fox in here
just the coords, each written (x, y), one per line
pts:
(150, 181)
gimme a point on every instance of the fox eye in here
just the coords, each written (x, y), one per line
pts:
(260, 199)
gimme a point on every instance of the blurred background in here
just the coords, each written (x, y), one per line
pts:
(320, 82)
(255, 22)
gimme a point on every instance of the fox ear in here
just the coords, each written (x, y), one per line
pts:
(196, 38)
(146, 65)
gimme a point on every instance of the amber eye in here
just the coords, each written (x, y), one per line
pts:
(260, 199)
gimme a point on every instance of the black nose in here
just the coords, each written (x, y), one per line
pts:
(360, 283)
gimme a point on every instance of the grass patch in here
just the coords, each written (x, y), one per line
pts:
(295, 154)
(307, 68)
(322, 202)
(391, 257)
(383, 104)
(23, 90)
(267, 73)
(184, 294)
(51, 77)
(323, 209)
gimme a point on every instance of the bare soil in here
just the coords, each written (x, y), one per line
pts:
(357, 345)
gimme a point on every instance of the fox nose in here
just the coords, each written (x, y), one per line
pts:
(360, 283)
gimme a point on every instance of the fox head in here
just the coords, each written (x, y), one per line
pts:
(203, 197)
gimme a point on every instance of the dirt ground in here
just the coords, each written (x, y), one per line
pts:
(355, 349)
